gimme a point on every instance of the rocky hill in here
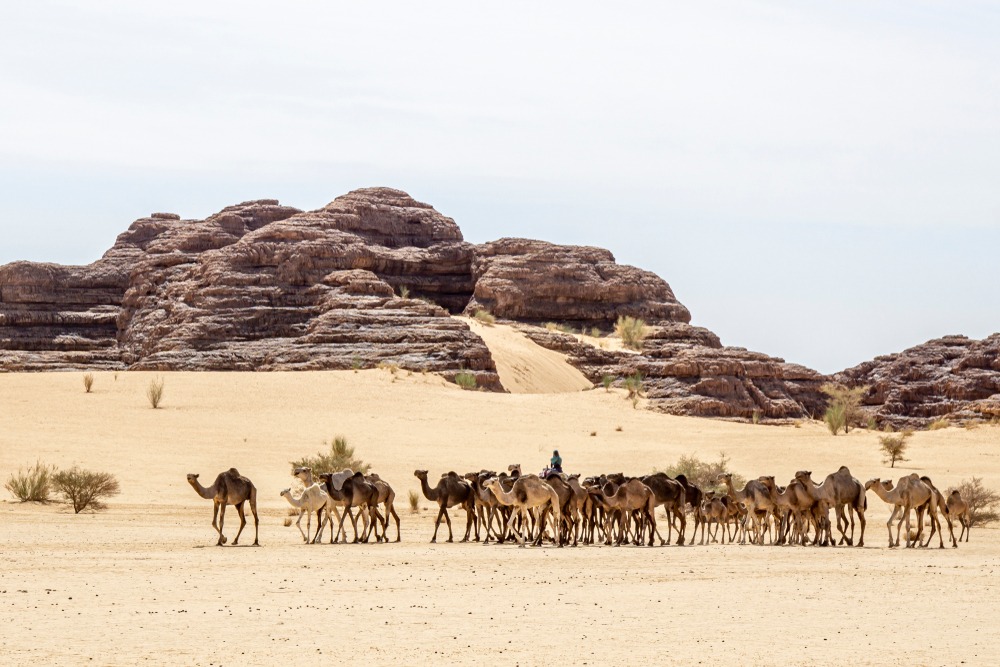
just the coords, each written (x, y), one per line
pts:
(373, 278)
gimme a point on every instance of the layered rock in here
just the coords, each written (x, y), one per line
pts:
(953, 377)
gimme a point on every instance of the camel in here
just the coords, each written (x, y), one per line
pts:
(451, 490)
(528, 492)
(230, 488)
(567, 503)
(313, 499)
(794, 505)
(582, 505)
(713, 509)
(387, 498)
(939, 505)
(838, 490)
(623, 500)
(359, 492)
(959, 509)
(755, 496)
(693, 496)
(332, 483)
(487, 505)
(671, 494)
(909, 493)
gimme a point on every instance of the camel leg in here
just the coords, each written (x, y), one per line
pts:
(395, 516)
(298, 524)
(437, 523)
(256, 520)
(215, 523)
(243, 522)
(470, 518)
(222, 519)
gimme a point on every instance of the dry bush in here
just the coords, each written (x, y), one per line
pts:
(485, 317)
(340, 456)
(88, 382)
(633, 384)
(414, 499)
(843, 410)
(632, 331)
(755, 416)
(705, 474)
(466, 380)
(32, 485)
(287, 522)
(85, 488)
(563, 328)
(983, 502)
(939, 424)
(388, 366)
(607, 380)
(155, 392)
(894, 447)
(404, 292)
(595, 332)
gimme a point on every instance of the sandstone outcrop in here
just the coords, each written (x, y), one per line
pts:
(953, 377)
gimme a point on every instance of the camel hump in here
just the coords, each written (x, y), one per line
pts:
(234, 472)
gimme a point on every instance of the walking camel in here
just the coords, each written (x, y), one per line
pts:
(451, 490)
(313, 499)
(529, 492)
(230, 488)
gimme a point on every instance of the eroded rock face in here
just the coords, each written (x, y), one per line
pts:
(954, 377)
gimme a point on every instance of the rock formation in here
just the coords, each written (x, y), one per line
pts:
(953, 377)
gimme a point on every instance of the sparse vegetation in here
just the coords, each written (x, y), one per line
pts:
(155, 392)
(607, 380)
(939, 424)
(404, 292)
(88, 382)
(485, 317)
(633, 384)
(632, 331)
(843, 410)
(894, 447)
(32, 485)
(85, 488)
(287, 522)
(595, 332)
(340, 456)
(563, 328)
(466, 380)
(414, 499)
(755, 416)
(388, 366)
(705, 474)
(355, 364)
(984, 503)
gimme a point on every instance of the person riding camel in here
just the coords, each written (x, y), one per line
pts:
(556, 462)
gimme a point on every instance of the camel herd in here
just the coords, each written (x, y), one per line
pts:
(609, 509)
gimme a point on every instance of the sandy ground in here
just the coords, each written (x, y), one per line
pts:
(142, 583)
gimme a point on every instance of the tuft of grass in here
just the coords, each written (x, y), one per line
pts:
(595, 332)
(88, 382)
(632, 331)
(85, 488)
(466, 380)
(32, 485)
(633, 384)
(983, 502)
(484, 317)
(705, 474)
(894, 447)
(287, 522)
(755, 417)
(939, 424)
(607, 380)
(618, 429)
(414, 499)
(563, 328)
(388, 366)
(339, 456)
(155, 392)
(404, 292)
(356, 364)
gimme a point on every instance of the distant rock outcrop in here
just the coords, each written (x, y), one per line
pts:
(954, 377)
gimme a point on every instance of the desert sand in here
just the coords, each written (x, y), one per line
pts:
(143, 583)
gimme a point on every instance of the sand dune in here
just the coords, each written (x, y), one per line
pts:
(141, 583)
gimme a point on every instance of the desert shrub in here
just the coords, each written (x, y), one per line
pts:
(414, 499)
(633, 384)
(705, 474)
(607, 380)
(563, 328)
(404, 292)
(340, 456)
(595, 332)
(938, 424)
(983, 502)
(755, 417)
(632, 331)
(88, 382)
(485, 317)
(843, 410)
(85, 488)
(287, 522)
(32, 485)
(155, 392)
(465, 380)
(388, 366)
(894, 447)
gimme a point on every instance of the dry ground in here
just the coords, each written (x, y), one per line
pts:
(142, 583)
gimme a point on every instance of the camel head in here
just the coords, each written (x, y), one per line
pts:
(767, 480)
(286, 492)
(872, 482)
(192, 478)
(724, 477)
(804, 476)
(420, 474)
(471, 476)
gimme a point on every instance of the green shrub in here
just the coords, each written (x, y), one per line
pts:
(32, 485)
(85, 488)
(632, 331)
(633, 384)
(404, 292)
(607, 380)
(705, 474)
(894, 447)
(466, 380)
(485, 317)
(340, 456)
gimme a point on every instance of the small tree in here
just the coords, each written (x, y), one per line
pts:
(894, 447)
(843, 410)
(632, 331)
(32, 485)
(155, 392)
(983, 502)
(340, 456)
(85, 488)
(88, 382)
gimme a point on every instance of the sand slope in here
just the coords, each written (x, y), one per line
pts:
(141, 583)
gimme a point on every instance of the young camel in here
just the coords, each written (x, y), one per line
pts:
(959, 509)
(313, 499)
(487, 506)
(527, 493)
(230, 488)
(715, 510)
(755, 497)
(451, 490)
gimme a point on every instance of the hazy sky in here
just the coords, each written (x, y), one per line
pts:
(816, 180)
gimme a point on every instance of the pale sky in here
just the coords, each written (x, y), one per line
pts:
(818, 181)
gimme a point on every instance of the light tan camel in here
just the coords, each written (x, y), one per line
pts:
(794, 507)
(756, 498)
(451, 490)
(527, 493)
(713, 509)
(909, 493)
(487, 506)
(314, 498)
(959, 509)
(305, 474)
(838, 490)
(230, 488)
(939, 505)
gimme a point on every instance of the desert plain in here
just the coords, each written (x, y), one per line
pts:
(143, 582)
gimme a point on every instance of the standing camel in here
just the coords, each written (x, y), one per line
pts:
(313, 499)
(387, 497)
(756, 497)
(528, 492)
(230, 488)
(451, 490)
(959, 509)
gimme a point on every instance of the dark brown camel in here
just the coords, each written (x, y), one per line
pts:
(451, 490)
(230, 488)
